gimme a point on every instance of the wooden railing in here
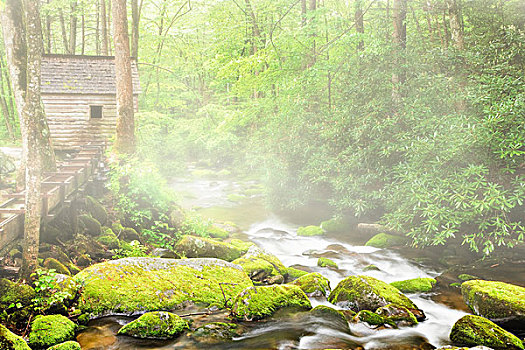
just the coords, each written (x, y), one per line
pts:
(57, 188)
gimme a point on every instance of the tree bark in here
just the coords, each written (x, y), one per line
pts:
(97, 30)
(455, 25)
(34, 117)
(73, 29)
(256, 32)
(135, 15)
(83, 24)
(5, 107)
(125, 140)
(63, 27)
(359, 23)
(104, 27)
(48, 31)
(399, 9)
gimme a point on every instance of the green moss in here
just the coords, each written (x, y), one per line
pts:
(371, 267)
(466, 277)
(69, 345)
(10, 341)
(50, 330)
(56, 265)
(473, 330)
(73, 268)
(325, 262)
(497, 301)
(234, 197)
(96, 210)
(336, 317)
(257, 269)
(147, 284)
(415, 285)
(455, 285)
(242, 245)
(369, 317)
(313, 284)
(259, 302)
(293, 273)
(334, 225)
(11, 292)
(253, 191)
(385, 240)
(127, 234)
(310, 231)
(110, 241)
(367, 293)
(217, 232)
(397, 315)
(259, 253)
(155, 325)
(202, 173)
(199, 247)
(215, 332)
(89, 225)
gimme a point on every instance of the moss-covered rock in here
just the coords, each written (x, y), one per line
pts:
(109, 240)
(199, 247)
(84, 260)
(310, 231)
(371, 267)
(133, 285)
(234, 197)
(334, 225)
(73, 268)
(336, 317)
(88, 225)
(50, 330)
(369, 317)
(473, 330)
(293, 273)
(259, 302)
(127, 234)
(11, 341)
(69, 345)
(398, 315)
(385, 240)
(325, 262)
(415, 285)
(259, 253)
(313, 284)
(96, 210)
(367, 293)
(242, 245)
(497, 301)
(217, 232)
(216, 332)
(155, 325)
(258, 270)
(54, 264)
(466, 277)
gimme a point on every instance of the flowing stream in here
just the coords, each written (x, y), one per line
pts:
(278, 235)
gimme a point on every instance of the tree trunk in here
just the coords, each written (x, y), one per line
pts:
(63, 27)
(103, 22)
(135, 15)
(108, 12)
(359, 23)
(83, 23)
(303, 13)
(48, 31)
(125, 141)
(73, 29)
(4, 106)
(33, 118)
(455, 25)
(256, 33)
(97, 30)
(399, 9)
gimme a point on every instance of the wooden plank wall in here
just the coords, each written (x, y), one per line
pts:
(69, 121)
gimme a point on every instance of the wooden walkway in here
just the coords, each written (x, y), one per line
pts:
(57, 188)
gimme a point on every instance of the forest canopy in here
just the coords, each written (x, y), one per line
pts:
(406, 112)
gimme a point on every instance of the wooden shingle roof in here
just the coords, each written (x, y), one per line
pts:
(67, 74)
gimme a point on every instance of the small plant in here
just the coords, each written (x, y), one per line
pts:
(130, 250)
(194, 224)
(48, 292)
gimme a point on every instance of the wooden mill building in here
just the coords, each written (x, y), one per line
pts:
(79, 97)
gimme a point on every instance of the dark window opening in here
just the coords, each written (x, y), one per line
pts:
(95, 112)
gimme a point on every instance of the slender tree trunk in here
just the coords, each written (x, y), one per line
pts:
(125, 141)
(359, 23)
(256, 32)
(48, 31)
(33, 118)
(3, 103)
(445, 26)
(303, 12)
(97, 29)
(73, 29)
(455, 25)
(399, 38)
(109, 28)
(63, 27)
(83, 23)
(104, 23)
(135, 15)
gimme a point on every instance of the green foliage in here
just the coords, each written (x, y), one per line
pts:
(129, 250)
(48, 292)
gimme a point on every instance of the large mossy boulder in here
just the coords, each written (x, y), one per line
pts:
(313, 284)
(256, 303)
(325, 262)
(68, 345)
(367, 293)
(200, 247)
(473, 330)
(335, 317)
(89, 225)
(385, 240)
(334, 225)
(11, 341)
(50, 330)
(133, 285)
(54, 264)
(261, 266)
(498, 301)
(16, 302)
(96, 210)
(310, 231)
(415, 285)
(398, 315)
(155, 325)
(216, 332)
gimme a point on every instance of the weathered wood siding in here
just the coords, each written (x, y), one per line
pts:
(69, 120)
